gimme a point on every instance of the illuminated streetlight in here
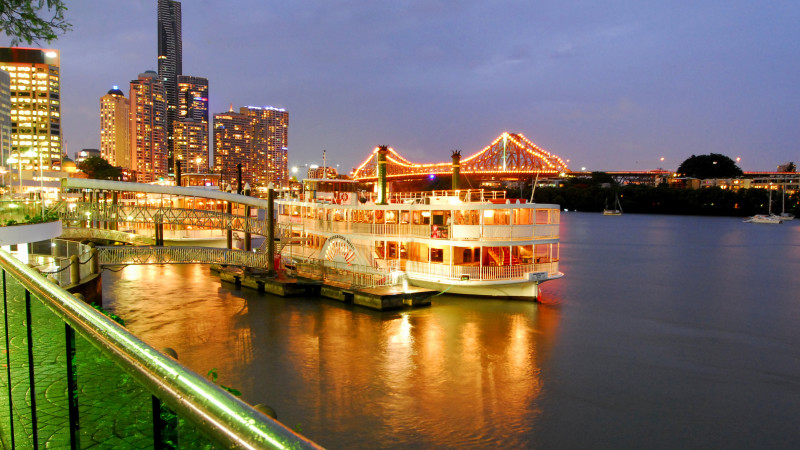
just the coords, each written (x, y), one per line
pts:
(198, 160)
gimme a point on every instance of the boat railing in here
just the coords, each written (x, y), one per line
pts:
(451, 232)
(465, 195)
(464, 272)
(74, 378)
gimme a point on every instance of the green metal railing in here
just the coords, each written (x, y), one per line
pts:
(73, 378)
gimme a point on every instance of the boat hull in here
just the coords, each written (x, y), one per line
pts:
(518, 289)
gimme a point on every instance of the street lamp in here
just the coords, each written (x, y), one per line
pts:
(18, 159)
(31, 154)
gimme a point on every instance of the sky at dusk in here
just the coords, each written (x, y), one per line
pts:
(607, 85)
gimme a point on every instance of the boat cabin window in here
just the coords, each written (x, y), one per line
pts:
(437, 255)
(467, 217)
(425, 218)
(523, 216)
(495, 217)
(438, 218)
(542, 216)
(391, 216)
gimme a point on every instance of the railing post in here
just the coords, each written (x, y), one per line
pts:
(94, 261)
(72, 389)
(228, 221)
(29, 326)
(74, 269)
(271, 230)
(8, 361)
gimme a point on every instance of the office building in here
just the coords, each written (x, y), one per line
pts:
(170, 59)
(5, 116)
(114, 128)
(35, 113)
(256, 138)
(148, 128)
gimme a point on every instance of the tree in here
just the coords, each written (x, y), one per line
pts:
(712, 165)
(31, 21)
(99, 169)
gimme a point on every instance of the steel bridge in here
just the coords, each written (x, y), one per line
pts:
(509, 157)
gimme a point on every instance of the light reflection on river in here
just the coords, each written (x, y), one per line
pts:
(465, 372)
(666, 332)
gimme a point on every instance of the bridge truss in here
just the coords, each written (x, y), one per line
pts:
(124, 255)
(510, 156)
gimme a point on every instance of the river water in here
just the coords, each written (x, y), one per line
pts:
(666, 332)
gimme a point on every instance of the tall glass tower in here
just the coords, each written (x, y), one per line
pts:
(170, 60)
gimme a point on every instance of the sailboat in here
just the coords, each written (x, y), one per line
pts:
(765, 218)
(784, 214)
(617, 211)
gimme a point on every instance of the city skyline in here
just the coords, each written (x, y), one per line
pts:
(607, 88)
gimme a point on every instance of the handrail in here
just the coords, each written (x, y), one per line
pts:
(222, 417)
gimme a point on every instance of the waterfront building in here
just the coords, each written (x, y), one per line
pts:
(35, 107)
(170, 59)
(256, 138)
(190, 130)
(148, 127)
(86, 154)
(114, 128)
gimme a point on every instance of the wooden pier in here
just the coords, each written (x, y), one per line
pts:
(380, 298)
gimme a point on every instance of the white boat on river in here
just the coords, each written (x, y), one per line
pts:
(471, 242)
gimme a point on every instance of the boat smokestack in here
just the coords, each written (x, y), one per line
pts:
(456, 168)
(382, 195)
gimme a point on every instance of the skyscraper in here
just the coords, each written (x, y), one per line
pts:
(190, 130)
(35, 105)
(256, 138)
(170, 58)
(114, 128)
(148, 127)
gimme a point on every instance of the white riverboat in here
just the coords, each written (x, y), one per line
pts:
(472, 242)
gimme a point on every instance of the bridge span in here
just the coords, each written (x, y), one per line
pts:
(511, 156)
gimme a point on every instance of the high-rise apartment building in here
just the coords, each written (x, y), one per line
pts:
(270, 143)
(190, 130)
(232, 136)
(170, 58)
(193, 97)
(148, 127)
(35, 116)
(191, 145)
(256, 138)
(114, 128)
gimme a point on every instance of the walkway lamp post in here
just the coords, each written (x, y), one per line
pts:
(18, 159)
(198, 161)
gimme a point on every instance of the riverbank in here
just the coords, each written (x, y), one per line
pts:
(665, 200)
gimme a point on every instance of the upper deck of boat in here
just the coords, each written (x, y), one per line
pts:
(346, 193)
